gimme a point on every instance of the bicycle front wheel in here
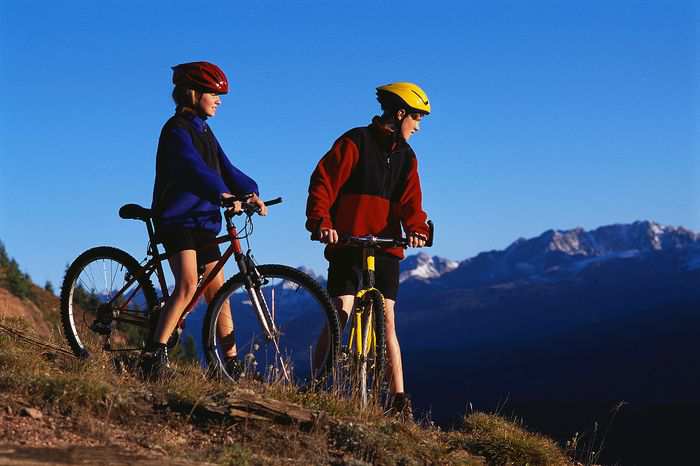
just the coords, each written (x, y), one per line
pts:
(301, 341)
(363, 356)
(105, 303)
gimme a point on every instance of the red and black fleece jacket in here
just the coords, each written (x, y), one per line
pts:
(367, 184)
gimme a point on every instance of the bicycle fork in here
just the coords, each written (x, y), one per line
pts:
(264, 313)
(362, 337)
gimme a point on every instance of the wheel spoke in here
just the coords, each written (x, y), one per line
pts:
(297, 311)
(88, 316)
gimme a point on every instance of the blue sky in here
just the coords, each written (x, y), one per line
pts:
(546, 114)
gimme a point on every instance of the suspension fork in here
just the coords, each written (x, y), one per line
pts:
(363, 320)
(361, 331)
(355, 336)
(253, 281)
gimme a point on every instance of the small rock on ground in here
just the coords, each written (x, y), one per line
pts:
(31, 412)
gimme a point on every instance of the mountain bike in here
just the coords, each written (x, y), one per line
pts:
(363, 352)
(109, 305)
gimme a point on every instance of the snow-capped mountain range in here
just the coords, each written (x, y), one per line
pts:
(639, 236)
(421, 266)
(571, 314)
(555, 254)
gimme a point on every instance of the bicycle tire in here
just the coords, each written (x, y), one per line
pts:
(83, 293)
(287, 291)
(369, 372)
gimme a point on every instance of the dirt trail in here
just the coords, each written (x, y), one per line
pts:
(99, 455)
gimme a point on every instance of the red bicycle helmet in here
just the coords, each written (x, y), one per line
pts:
(202, 76)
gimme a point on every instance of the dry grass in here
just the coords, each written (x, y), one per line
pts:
(503, 442)
(349, 435)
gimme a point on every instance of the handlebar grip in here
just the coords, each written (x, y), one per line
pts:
(431, 234)
(277, 200)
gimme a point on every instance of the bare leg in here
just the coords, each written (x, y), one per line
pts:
(393, 349)
(184, 267)
(224, 325)
(344, 306)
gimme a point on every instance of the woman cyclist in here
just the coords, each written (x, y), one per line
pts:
(193, 176)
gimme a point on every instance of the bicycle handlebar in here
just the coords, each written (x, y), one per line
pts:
(248, 209)
(371, 240)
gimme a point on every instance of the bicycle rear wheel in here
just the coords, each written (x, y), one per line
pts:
(363, 359)
(104, 306)
(306, 341)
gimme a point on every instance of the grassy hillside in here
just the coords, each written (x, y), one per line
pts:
(193, 418)
(57, 409)
(21, 298)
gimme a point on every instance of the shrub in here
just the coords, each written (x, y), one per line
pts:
(4, 260)
(18, 283)
(503, 442)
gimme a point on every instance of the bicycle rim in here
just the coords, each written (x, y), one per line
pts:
(300, 316)
(103, 309)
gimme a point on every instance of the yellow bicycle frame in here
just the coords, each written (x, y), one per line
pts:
(362, 348)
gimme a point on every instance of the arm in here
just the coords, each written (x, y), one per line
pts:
(413, 217)
(187, 163)
(237, 181)
(328, 178)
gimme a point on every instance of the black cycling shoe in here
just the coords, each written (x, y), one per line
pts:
(400, 407)
(155, 365)
(234, 367)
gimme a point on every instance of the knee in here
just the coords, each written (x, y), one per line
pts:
(343, 304)
(343, 316)
(213, 287)
(185, 289)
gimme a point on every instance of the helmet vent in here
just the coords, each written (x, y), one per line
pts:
(420, 99)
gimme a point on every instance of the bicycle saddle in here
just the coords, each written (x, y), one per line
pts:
(134, 212)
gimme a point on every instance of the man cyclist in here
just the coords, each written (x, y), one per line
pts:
(368, 184)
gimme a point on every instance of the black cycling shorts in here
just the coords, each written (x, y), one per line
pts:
(200, 240)
(345, 272)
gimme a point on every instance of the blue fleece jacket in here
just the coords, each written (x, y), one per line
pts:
(192, 171)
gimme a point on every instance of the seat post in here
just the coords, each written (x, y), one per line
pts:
(154, 251)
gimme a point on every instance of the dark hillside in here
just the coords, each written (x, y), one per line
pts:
(622, 330)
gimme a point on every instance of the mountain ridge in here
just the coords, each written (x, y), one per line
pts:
(562, 254)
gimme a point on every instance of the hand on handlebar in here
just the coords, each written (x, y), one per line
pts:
(254, 200)
(237, 206)
(328, 235)
(248, 204)
(416, 240)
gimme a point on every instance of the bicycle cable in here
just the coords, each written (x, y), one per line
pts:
(246, 231)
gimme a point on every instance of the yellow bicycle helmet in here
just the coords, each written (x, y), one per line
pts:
(411, 94)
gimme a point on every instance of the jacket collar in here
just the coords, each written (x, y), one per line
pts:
(198, 122)
(388, 140)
